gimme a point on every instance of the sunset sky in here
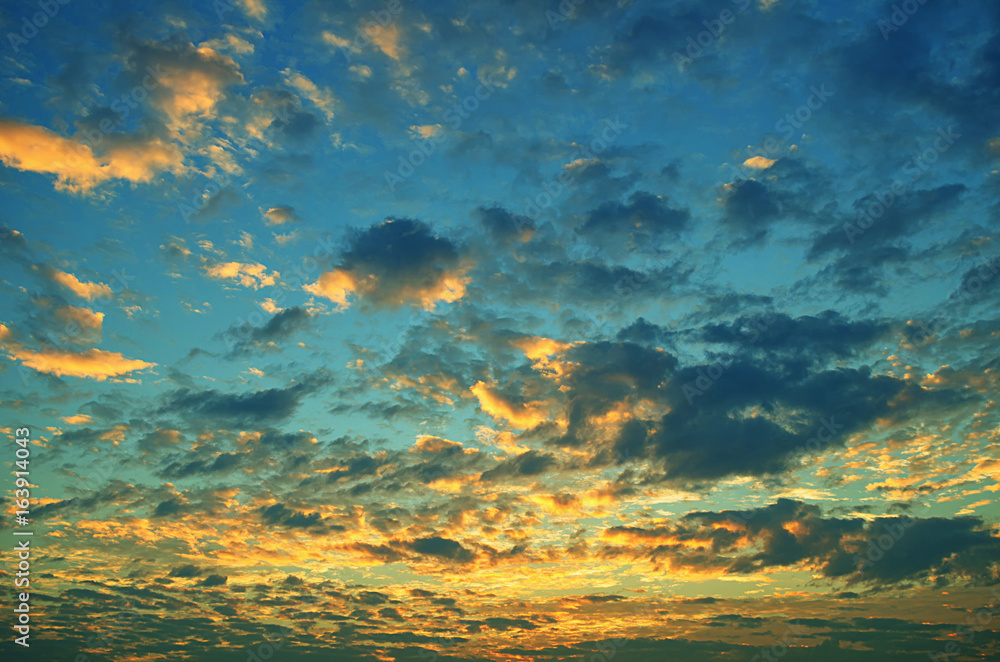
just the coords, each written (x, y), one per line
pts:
(509, 331)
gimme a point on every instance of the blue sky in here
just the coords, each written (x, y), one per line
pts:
(500, 330)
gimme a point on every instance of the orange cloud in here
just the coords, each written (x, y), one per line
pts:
(76, 167)
(190, 83)
(78, 419)
(248, 275)
(81, 323)
(429, 444)
(387, 40)
(82, 289)
(93, 363)
(337, 284)
(334, 285)
(655, 537)
(759, 163)
(254, 9)
(541, 350)
(523, 416)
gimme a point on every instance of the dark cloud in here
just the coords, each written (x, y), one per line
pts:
(298, 127)
(750, 208)
(505, 227)
(282, 515)
(701, 439)
(530, 463)
(905, 216)
(645, 215)
(223, 462)
(246, 408)
(168, 508)
(735, 620)
(826, 335)
(886, 550)
(600, 599)
(185, 571)
(442, 548)
(398, 262)
(246, 338)
(214, 580)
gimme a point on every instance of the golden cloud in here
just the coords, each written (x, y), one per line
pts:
(759, 162)
(253, 275)
(86, 320)
(82, 289)
(76, 167)
(78, 419)
(93, 363)
(334, 285)
(522, 416)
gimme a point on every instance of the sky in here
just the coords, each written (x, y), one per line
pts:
(508, 331)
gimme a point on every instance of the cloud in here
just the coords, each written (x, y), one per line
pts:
(93, 363)
(828, 334)
(790, 533)
(531, 463)
(505, 227)
(912, 211)
(78, 169)
(251, 407)
(255, 9)
(213, 580)
(395, 263)
(750, 207)
(80, 324)
(224, 462)
(284, 324)
(759, 162)
(185, 571)
(82, 289)
(323, 98)
(442, 548)
(644, 215)
(335, 285)
(248, 274)
(280, 215)
(519, 415)
(279, 514)
(190, 80)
